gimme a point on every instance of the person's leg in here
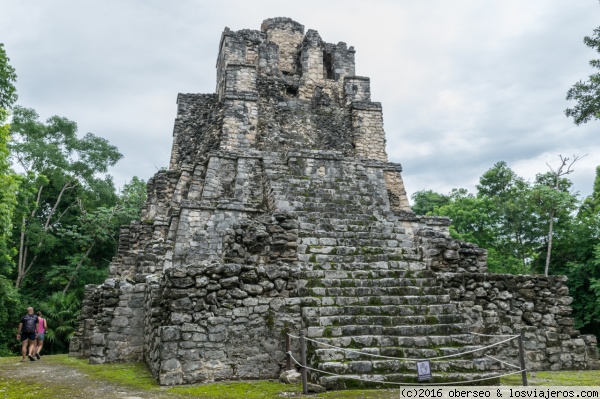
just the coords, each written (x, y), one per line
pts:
(39, 344)
(24, 348)
(32, 347)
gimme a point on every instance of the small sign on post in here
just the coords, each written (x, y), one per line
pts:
(423, 370)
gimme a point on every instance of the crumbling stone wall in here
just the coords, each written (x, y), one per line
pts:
(536, 305)
(442, 253)
(223, 321)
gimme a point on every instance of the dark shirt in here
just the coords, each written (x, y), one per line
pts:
(24, 320)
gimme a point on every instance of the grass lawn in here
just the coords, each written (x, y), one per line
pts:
(136, 378)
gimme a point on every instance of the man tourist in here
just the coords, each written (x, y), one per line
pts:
(42, 326)
(27, 334)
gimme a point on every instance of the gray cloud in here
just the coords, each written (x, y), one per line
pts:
(463, 84)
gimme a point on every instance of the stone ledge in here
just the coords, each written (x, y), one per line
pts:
(367, 106)
(246, 96)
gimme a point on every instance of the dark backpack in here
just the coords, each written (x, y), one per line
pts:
(29, 324)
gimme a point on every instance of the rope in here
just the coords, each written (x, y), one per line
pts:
(500, 361)
(407, 358)
(398, 383)
(497, 335)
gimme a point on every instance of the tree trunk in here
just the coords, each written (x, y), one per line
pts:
(84, 257)
(22, 247)
(22, 257)
(23, 270)
(549, 243)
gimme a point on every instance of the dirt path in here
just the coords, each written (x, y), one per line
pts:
(48, 379)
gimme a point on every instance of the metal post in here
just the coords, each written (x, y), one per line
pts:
(288, 358)
(303, 360)
(522, 359)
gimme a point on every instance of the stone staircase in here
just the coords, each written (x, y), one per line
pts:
(365, 289)
(392, 313)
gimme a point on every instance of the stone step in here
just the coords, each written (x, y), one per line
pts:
(385, 300)
(402, 330)
(382, 320)
(374, 282)
(354, 380)
(352, 227)
(392, 341)
(378, 261)
(359, 219)
(403, 353)
(316, 187)
(346, 247)
(389, 310)
(388, 366)
(376, 291)
(369, 274)
(354, 243)
(311, 216)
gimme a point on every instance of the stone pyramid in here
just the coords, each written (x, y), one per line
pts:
(280, 210)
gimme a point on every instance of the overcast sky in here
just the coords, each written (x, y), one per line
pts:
(463, 83)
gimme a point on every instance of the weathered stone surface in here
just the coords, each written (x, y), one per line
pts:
(315, 388)
(280, 210)
(290, 377)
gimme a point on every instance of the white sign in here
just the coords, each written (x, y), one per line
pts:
(424, 370)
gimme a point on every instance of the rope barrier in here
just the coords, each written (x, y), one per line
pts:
(407, 358)
(398, 383)
(497, 335)
(500, 361)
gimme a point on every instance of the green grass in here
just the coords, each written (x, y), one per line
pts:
(234, 390)
(556, 378)
(137, 377)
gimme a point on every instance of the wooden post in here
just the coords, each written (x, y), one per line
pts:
(288, 358)
(522, 360)
(303, 361)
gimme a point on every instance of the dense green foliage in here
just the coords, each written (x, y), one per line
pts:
(587, 94)
(59, 215)
(510, 217)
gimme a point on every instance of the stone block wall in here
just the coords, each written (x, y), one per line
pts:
(357, 88)
(367, 126)
(443, 253)
(239, 124)
(536, 305)
(288, 36)
(113, 324)
(395, 187)
(239, 81)
(222, 322)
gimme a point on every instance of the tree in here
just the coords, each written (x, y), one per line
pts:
(61, 311)
(512, 215)
(427, 201)
(9, 181)
(53, 151)
(577, 255)
(587, 94)
(8, 92)
(9, 185)
(591, 205)
(98, 226)
(552, 191)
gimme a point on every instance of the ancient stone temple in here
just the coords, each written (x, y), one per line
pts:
(280, 209)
